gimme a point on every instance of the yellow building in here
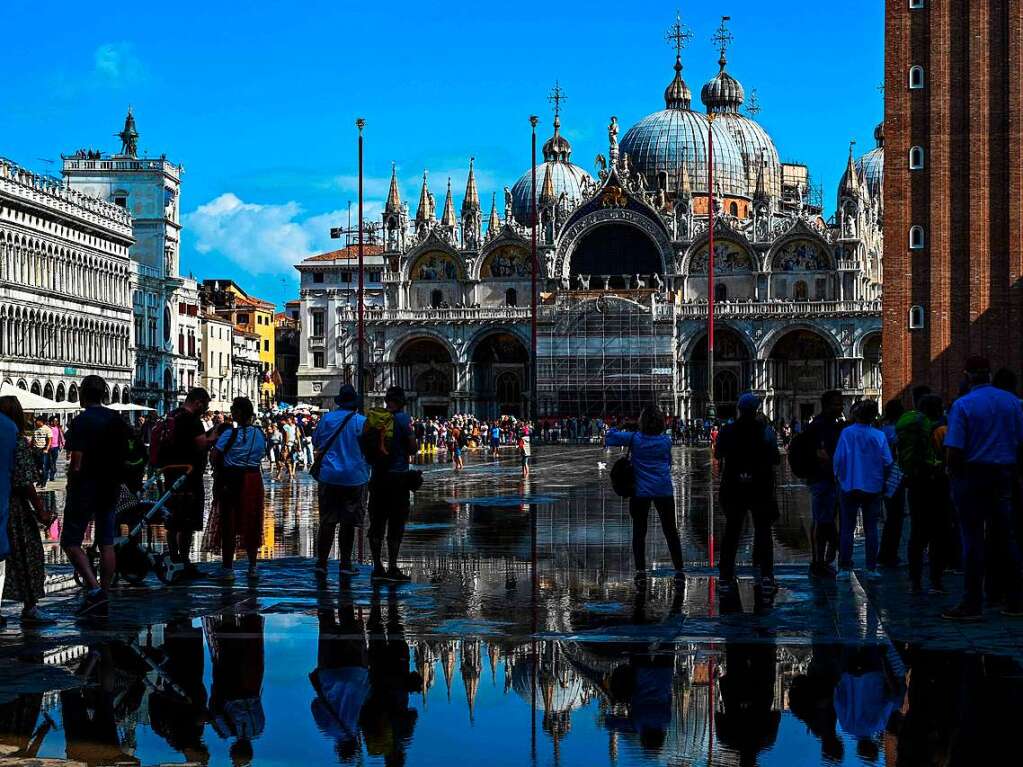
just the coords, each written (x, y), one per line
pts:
(252, 315)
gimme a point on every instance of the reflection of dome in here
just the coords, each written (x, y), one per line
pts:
(557, 692)
(658, 143)
(870, 168)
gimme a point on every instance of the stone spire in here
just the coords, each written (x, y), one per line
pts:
(547, 188)
(760, 190)
(425, 214)
(851, 180)
(448, 218)
(393, 198)
(471, 201)
(494, 224)
(129, 136)
(683, 184)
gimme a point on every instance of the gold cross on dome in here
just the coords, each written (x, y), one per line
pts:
(557, 95)
(678, 35)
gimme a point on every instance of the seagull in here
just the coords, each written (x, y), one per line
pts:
(601, 465)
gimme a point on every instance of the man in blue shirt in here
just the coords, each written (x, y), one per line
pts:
(985, 432)
(389, 491)
(343, 477)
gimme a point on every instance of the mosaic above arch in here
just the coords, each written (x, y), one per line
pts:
(801, 256)
(436, 265)
(729, 258)
(507, 261)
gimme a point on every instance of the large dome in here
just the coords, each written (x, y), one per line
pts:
(565, 176)
(660, 143)
(754, 145)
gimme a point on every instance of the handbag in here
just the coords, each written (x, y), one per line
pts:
(623, 474)
(317, 466)
(893, 480)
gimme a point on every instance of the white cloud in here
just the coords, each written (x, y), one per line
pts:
(116, 63)
(265, 238)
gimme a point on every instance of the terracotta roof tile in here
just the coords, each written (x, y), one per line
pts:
(352, 251)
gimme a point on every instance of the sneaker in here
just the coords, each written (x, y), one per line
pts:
(253, 574)
(379, 573)
(190, 573)
(34, 617)
(396, 575)
(320, 573)
(964, 613)
(227, 573)
(95, 603)
(346, 571)
(768, 585)
(727, 586)
(1013, 611)
(873, 574)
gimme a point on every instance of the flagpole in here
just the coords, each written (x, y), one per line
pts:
(361, 333)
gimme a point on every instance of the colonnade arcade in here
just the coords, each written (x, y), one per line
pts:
(35, 263)
(50, 336)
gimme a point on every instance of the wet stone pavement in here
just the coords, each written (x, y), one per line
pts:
(485, 658)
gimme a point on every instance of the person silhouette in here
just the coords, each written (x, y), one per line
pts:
(237, 654)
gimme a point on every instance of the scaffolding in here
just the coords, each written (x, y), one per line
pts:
(603, 355)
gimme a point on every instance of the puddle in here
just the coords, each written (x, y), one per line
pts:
(346, 683)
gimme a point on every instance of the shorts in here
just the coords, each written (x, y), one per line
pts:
(342, 505)
(524, 460)
(388, 507)
(185, 509)
(83, 508)
(824, 501)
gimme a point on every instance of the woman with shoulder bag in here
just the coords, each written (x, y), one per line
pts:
(238, 490)
(25, 568)
(650, 452)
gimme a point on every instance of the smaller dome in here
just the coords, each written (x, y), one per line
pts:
(557, 146)
(565, 177)
(677, 95)
(722, 93)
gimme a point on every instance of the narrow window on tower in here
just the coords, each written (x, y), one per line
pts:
(916, 318)
(916, 77)
(916, 4)
(916, 237)
(916, 158)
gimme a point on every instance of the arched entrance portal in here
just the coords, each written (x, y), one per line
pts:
(733, 372)
(800, 369)
(423, 368)
(617, 251)
(500, 365)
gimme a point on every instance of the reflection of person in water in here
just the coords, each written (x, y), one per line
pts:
(387, 721)
(812, 699)
(236, 652)
(644, 685)
(747, 722)
(20, 738)
(177, 709)
(341, 678)
(90, 723)
(865, 698)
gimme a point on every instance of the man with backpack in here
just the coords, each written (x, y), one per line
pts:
(390, 481)
(179, 441)
(810, 456)
(342, 474)
(747, 449)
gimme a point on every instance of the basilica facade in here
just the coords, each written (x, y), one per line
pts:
(623, 261)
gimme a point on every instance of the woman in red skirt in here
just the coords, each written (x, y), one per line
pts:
(238, 488)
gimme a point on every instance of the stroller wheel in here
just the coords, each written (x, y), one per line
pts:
(93, 563)
(166, 570)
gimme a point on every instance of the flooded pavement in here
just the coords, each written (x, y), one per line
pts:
(485, 658)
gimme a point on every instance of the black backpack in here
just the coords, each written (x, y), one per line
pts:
(623, 474)
(803, 454)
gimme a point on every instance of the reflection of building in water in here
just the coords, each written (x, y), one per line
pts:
(623, 263)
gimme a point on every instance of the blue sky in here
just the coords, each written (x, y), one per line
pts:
(258, 100)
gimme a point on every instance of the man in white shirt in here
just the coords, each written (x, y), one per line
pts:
(861, 462)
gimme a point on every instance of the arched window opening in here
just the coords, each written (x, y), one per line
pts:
(916, 158)
(720, 292)
(916, 77)
(511, 297)
(916, 237)
(800, 291)
(436, 298)
(916, 318)
(733, 209)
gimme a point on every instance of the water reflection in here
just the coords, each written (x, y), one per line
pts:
(371, 697)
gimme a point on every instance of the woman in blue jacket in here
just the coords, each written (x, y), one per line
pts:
(651, 462)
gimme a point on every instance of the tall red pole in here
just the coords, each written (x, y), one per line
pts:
(361, 332)
(533, 297)
(711, 409)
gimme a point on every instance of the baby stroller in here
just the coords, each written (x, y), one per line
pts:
(134, 538)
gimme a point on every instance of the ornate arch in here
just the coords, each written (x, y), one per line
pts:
(861, 340)
(433, 244)
(796, 233)
(612, 206)
(412, 334)
(772, 338)
(726, 260)
(693, 342)
(480, 336)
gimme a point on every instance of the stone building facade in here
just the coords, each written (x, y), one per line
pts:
(165, 303)
(65, 288)
(623, 275)
(953, 190)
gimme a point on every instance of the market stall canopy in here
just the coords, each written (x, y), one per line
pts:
(35, 403)
(129, 408)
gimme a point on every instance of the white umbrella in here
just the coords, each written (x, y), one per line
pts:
(121, 408)
(33, 402)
